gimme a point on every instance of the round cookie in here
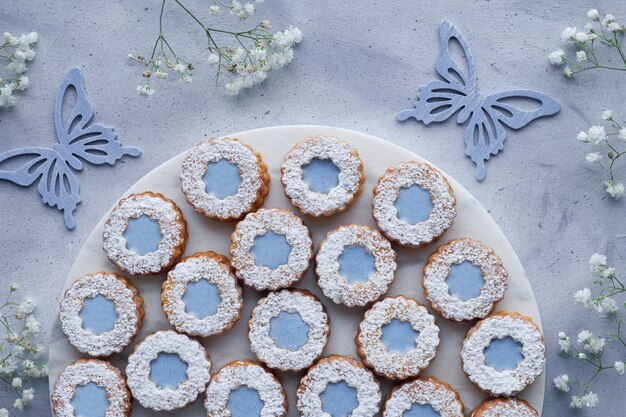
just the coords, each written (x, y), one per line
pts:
(145, 234)
(224, 179)
(397, 338)
(101, 314)
(271, 249)
(338, 386)
(503, 354)
(413, 204)
(322, 175)
(201, 296)
(504, 407)
(245, 389)
(464, 279)
(167, 370)
(423, 397)
(289, 329)
(91, 387)
(355, 265)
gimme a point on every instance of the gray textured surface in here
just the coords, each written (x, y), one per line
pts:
(357, 66)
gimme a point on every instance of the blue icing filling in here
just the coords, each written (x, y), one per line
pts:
(98, 314)
(413, 204)
(289, 331)
(271, 250)
(90, 401)
(143, 234)
(503, 354)
(339, 399)
(465, 281)
(168, 370)
(399, 336)
(222, 178)
(356, 264)
(322, 175)
(201, 298)
(421, 410)
(244, 402)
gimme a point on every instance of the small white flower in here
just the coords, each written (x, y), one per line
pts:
(557, 57)
(18, 404)
(9, 38)
(590, 399)
(622, 134)
(561, 382)
(581, 56)
(582, 356)
(581, 37)
(608, 19)
(27, 306)
(232, 88)
(593, 14)
(18, 67)
(14, 287)
(28, 395)
(583, 296)
(615, 189)
(213, 58)
(238, 56)
(597, 260)
(186, 78)
(22, 83)
(588, 27)
(145, 90)
(160, 74)
(584, 336)
(568, 72)
(614, 27)
(609, 306)
(16, 383)
(179, 68)
(596, 134)
(608, 272)
(593, 157)
(619, 367)
(258, 53)
(595, 345)
(565, 345)
(32, 325)
(592, 37)
(265, 24)
(4, 412)
(568, 34)
(577, 402)
(582, 136)
(215, 9)
(607, 115)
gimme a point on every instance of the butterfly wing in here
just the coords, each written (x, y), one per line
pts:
(95, 142)
(438, 100)
(485, 133)
(58, 186)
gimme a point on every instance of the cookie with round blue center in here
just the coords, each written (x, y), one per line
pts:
(145, 234)
(322, 175)
(338, 386)
(289, 329)
(245, 389)
(91, 388)
(464, 279)
(101, 314)
(413, 204)
(355, 265)
(271, 249)
(201, 296)
(423, 397)
(167, 370)
(503, 354)
(504, 407)
(224, 179)
(397, 338)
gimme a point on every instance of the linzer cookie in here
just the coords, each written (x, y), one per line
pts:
(167, 370)
(322, 175)
(224, 179)
(423, 397)
(289, 329)
(464, 280)
(355, 265)
(397, 338)
(504, 407)
(338, 386)
(201, 296)
(101, 313)
(503, 354)
(413, 204)
(244, 389)
(91, 387)
(145, 234)
(271, 249)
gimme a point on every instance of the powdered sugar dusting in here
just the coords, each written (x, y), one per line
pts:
(173, 233)
(216, 270)
(505, 407)
(252, 375)
(387, 191)
(149, 394)
(511, 381)
(441, 397)
(128, 306)
(345, 158)
(397, 365)
(438, 268)
(84, 371)
(335, 369)
(311, 312)
(281, 222)
(334, 285)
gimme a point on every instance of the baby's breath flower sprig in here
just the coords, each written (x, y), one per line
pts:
(605, 31)
(16, 52)
(613, 144)
(244, 58)
(20, 359)
(590, 348)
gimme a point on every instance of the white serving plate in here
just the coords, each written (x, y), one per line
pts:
(204, 234)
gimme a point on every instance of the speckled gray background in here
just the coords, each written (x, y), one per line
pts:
(359, 64)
